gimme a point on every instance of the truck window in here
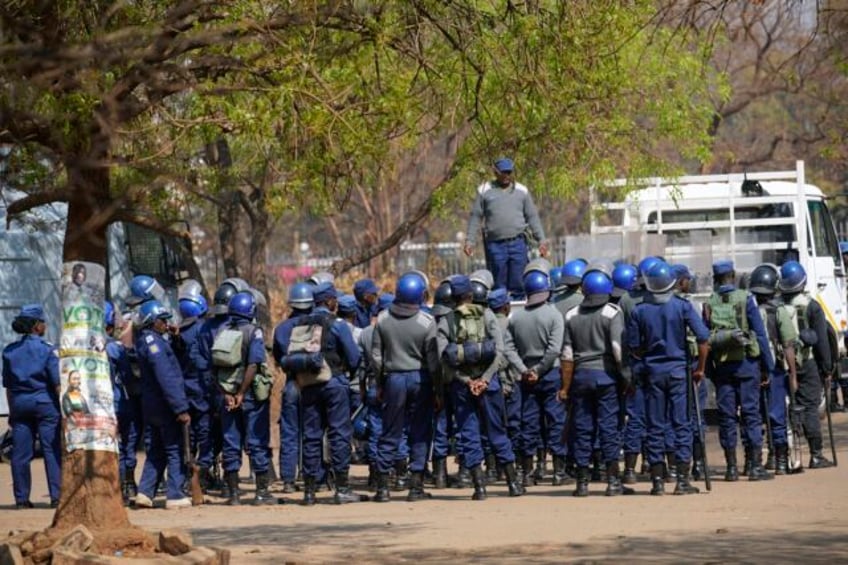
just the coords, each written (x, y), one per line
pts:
(824, 236)
(153, 254)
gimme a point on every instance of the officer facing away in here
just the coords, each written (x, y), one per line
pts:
(812, 354)
(656, 335)
(740, 354)
(31, 380)
(505, 210)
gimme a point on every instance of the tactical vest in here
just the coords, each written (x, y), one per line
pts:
(309, 357)
(475, 350)
(728, 312)
(768, 312)
(797, 309)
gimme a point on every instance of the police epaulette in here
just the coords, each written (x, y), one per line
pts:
(610, 310)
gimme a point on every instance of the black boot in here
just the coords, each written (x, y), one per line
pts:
(541, 469)
(596, 466)
(344, 494)
(416, 487)
(491, 468)
(746, 468)
(732, 472)
(781, 460)
(757, 472)
(770, 460)
(559, 477)
(440, 473)
(582, 488)
(513, 483)
(658, 479)
(646, 467)
(670, 466)
(205, 477)
(372, 475)
(382, 488)
(232, 479)
(479, 480)
(463, 478)
(309, 488)
(614, 486)
(401, 476)
(817, 458)
(527, 469)
(698, 470)
(630, 469)
(683, 485)
(263, 496)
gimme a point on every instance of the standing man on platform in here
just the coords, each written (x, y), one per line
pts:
(504, 209)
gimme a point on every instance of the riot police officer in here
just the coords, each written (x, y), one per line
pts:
(31, 380)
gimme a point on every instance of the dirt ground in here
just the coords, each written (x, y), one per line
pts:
(801, 518)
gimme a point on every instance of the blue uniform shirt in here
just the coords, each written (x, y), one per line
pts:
(364, 313)
(162, 387)
(748, 367)
(656, 332)
(31, 366)
(341, 340)
(194, 365)
(120, 370)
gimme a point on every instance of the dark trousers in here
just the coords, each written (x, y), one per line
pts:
(443, 428)
(164, 451)
(776, 410)
(506, 260)
(512, 407)
(539, 401)
(807, 398)
(290, 432)
(29, 416)
(326, 407)
(667, 404)
(201, 436)
(478, 416)
(742, 395)
(594, 407)
(247, 426)
(635, 429)
(130, 429)
(407, 406)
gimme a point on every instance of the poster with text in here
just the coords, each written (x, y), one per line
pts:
(87, 402)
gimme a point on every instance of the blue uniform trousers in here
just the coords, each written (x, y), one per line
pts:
(594, 406)
(539, 402)
(248, 426)
(778, 390)
(667, 404)
(506, 260)
(742, 393)
(201, 436)
(443, 428)
(512, 407)
(635, 428)
(290, 420)
(164, 450)
(31, 415)
(481, 415)
(407, 405)
(326, 406)
(702, 401)
(130, 429)
(375, 425)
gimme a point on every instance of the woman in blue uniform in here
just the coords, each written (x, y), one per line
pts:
(31, 380)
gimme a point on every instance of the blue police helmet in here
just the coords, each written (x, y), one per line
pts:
(410, 289)
(536, 282)
(347, 304)
(195, 307)
(681, 271)
(145, 287)
(151, 311)
(557, 279)
(660, 277)
(243, 305)
(108, 313)
(300, 296)
(646, 264)
(764, 279)
(573, 271)
(793, 277)
(624, 277)
(596, 282)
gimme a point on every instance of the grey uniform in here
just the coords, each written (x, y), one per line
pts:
(445, 335)
(592, 338)
(567, 300)
(498, 209)
(402, 344)
(536, 339)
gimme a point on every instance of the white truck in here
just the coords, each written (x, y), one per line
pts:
(750, 218)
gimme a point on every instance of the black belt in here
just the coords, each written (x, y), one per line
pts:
(508, 239)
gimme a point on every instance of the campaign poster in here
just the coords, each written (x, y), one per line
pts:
(88, 411)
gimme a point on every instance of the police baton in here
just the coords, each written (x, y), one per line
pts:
(827, 398)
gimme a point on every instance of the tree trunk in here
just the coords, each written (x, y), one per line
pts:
(90, 484)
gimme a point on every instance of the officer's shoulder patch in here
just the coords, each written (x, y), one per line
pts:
(149, 338)
(610, 310)
(520, 187)
(483, 188)
(424, 319)
(257, 333)
(153, 349)
(571, 312)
